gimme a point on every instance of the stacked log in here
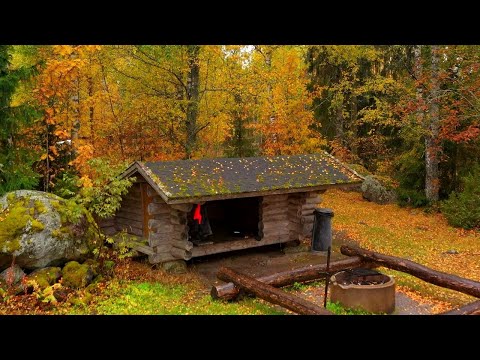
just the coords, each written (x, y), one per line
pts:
(130, 215)
(310, 202)
(274, 218)
(168, 230)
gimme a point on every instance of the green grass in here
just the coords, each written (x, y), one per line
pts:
(338, 309)
(153, 298)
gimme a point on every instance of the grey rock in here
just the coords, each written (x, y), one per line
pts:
(12, 275)
(41, 229)
(373, 190)
(452, 252)
(175, 267)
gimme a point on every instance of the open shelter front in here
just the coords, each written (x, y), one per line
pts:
(192, 208)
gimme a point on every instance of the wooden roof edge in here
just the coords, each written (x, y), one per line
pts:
(138, 167)
(344, 165)
(194, 200)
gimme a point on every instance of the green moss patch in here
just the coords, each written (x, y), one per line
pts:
(13, 222)
(77, 276)
(46, 276)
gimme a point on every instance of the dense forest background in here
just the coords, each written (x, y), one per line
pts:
(73, 116)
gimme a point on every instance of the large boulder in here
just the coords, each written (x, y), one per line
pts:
(375, 190)
(41, 229)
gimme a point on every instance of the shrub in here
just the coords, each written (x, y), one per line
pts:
(104, 196)
(463, 209)
(411, 197)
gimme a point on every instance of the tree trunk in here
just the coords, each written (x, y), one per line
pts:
(353, 124)
(432, 149)
(339, 131)
(271, 294)
(312, 272)
(438, 278)
(469, 309)
(91, 111)
(193, 87)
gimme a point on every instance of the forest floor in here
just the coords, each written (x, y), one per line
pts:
(138, 288)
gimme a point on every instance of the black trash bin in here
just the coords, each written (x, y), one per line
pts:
(322, 229)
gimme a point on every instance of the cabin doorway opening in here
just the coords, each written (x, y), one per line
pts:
(224, 220)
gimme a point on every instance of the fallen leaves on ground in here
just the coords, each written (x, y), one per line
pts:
(408, 233)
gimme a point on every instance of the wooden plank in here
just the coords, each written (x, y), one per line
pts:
(129, 216)
(130, 222)
(133, 231)
(155, 209)
(182, 207)
(106, 222)
(273, 224)
(180, 253)
(231, 245)
(132, 198)
(159, 258)
(308, 212)
(133, 208)
(144, 249)
(277, 211)
(308, 219)
(164, 248)
(156, 239)
(275, 218)
(185, 245)
(158, 226)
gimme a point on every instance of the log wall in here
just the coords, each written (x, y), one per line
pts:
(167, 229)
(130, 215)
(107, 226)
(287, 217)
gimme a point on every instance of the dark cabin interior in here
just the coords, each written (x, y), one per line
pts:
(230, 219)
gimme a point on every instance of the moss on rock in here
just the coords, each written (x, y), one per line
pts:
(46, 277)
(14, 220)
(42, 229)
(77, 275)
(175, 267)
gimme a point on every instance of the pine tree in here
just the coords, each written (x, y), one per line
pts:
(15, 164)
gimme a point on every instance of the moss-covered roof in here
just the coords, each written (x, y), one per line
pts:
(188, 179)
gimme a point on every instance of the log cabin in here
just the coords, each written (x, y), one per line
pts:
(191, 208)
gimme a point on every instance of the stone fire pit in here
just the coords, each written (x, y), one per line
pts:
(364, 289)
